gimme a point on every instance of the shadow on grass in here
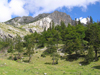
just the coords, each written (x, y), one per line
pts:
(73, 57)
(83, 63)
(26, 61)
(97, 67)
(49, 63)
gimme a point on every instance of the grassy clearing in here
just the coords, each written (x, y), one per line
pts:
(38, 67)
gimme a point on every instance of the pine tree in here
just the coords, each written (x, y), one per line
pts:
(93, 37)
(90, 56)
(30, 45)
(79, 22)
(19, 45)
(55, 56)
(11, 50)
(91, 20)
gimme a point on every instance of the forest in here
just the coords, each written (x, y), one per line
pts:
(77, 41)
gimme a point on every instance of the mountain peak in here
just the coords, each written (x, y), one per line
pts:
(56, 16)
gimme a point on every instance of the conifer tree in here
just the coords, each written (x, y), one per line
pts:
(19, 45)
(90, 56)
(91, 20)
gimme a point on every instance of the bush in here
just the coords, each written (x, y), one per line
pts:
(36, 51)
(10, 58)
(57, 61)
(90, 56)
(25, 54)
(43, 55)
(15, 58)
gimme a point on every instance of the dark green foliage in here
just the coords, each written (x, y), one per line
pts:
(10, 50)
(55, 57)
(51, 49)
(10, 57)
(4, 43)
(90, 56)
(73, 39)
(15, 58)
(93, 37)
(79, 22)
(42, 41)
(43, 55)
(19, 44)
(91, 20)
(30, 40)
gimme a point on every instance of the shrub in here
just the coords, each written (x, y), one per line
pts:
(36, 51)
(15, 58)
(10, 57)
(90, 56)
(43, 55)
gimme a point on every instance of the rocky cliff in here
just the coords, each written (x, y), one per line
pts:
(27, 24)
(25, 19)
(57, 16)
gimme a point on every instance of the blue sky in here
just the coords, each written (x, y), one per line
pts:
(77, 12)
(79, 9)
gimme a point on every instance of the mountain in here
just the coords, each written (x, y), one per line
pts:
(56, 16)
(28, 24)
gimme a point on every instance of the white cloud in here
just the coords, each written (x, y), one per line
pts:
(16, 7)
(24, 7)
(5, 14)
(83, 20)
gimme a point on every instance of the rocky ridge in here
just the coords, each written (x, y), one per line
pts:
(29, 24)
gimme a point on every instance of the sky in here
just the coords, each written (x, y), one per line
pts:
(79, 9)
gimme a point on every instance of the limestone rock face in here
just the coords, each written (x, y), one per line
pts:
(58, 16)
(4, 35)
(9, 31)
(25, 19)
(27, 24)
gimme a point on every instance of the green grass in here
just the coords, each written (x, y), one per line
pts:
(38, 67)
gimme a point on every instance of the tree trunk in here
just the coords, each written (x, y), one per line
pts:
(76, 52)
(30, 57)
(53, 60)
(96, 55)
(12, 57)
(19, 55)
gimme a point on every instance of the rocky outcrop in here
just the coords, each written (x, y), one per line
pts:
(4, 35)
(38, 26)
(9, 31)
(25, 20)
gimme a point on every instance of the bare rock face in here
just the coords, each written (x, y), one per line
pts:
(58, 16)
(41, 21)
(4, 35)
(38, 25)
(25, 19)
